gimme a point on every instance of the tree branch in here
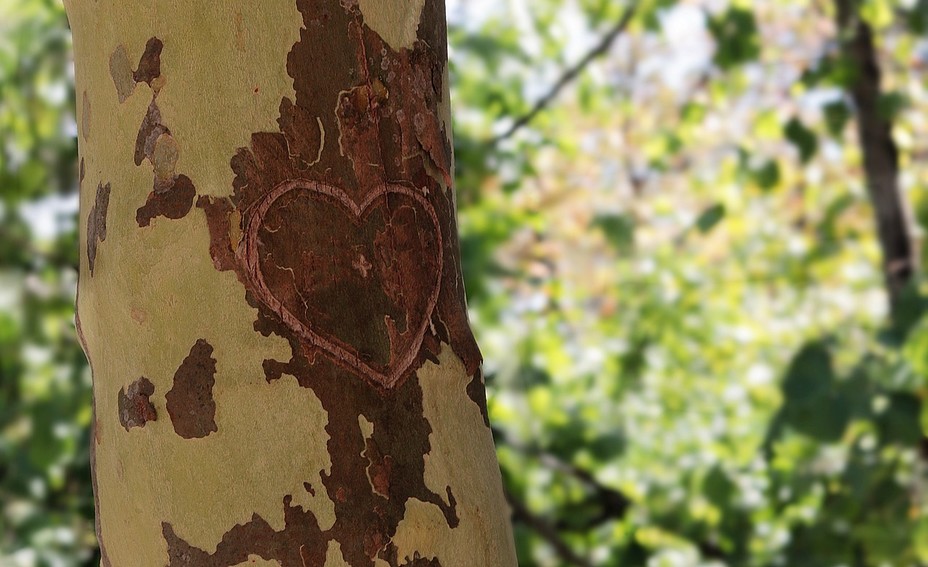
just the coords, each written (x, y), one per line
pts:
(521, 514)
(570, 75)
(614, 504)
(880, 153)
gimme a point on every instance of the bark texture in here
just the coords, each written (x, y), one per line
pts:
(880, 153)
(270, 222)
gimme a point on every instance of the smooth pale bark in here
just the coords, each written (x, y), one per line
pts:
(270, 292)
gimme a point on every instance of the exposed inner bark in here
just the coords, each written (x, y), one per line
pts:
(135, 407)
(96, 223)
(341, 230)
(172, 194)
(190, 401)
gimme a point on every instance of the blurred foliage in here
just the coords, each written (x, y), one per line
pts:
(46, 507)
(672, 271)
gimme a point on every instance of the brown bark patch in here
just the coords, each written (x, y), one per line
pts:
(418, 561)
(96, 224)
(380, 468)
(172, 194)
(356, 281)
(190, 401)
(173, 203)
(222, 243)
(149, 67)
(366, 521)
(135, 407)
(304, 133)
(415, 561)
(301, 543)
(149, 132)
(341, 230)
(477, 391)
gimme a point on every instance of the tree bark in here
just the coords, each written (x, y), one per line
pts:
(271, 295)
(880, 153)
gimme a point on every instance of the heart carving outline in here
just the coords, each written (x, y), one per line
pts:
(340, 353)
(334, 348)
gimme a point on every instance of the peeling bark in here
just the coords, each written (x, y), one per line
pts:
(190, 401)
(329, 265)
(173, 194)
(96, 223)
(174, 202)
(149, 67)
(135, 407)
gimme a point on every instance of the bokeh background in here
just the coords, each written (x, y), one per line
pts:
(672, 267)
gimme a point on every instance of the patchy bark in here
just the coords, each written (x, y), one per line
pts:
(190, 401)
(356, 283)
(349, 252)
(332, 271)
(96, 223)
(347, 265)
(172, 203)
(122, 73)
(477, 391)
(173, 194)
(135, 407)
(149, 67)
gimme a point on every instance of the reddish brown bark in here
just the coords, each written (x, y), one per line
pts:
(340, 232)
(347, 246)
(190, 401)
(135, 407)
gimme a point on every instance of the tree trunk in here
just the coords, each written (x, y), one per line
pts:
(881, 156)
(272, 300)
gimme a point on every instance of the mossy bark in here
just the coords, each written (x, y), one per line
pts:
(271, 296)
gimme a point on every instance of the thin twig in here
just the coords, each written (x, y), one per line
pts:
(521, 514)
(570, 74)
(614, 504)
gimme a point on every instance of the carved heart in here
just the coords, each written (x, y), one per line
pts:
(357, 281)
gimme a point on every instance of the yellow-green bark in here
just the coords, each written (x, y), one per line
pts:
(235, 446)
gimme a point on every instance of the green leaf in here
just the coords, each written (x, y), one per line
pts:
(833, 70)
(877, 13)
(803, 138)
(901, 421)
(823, 419)
(768, 175)
(736, 37)
(891, 104)
(837, 115)
(619, 229)
(710, 218)
(918, 17)
(607, 447)
(718, 488)
(693, 112)
(810, 374)
(813, 405)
